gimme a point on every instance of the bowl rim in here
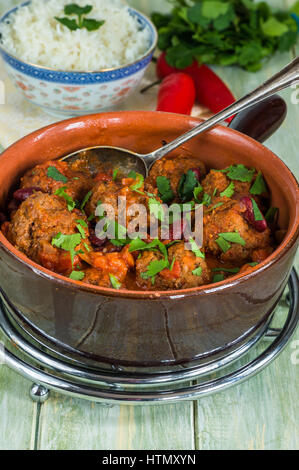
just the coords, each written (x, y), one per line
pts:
(147, 54)
(62, 281)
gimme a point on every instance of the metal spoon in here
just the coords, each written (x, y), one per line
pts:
(128, 160)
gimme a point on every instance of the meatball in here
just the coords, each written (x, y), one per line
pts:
(108, 191)
(229, 218)
(187, 271)
(37, 221)
(105, 265)
(77, 183)
(173, 168)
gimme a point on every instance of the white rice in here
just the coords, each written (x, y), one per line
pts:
(34, 36)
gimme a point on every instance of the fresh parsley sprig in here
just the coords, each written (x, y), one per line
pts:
(82, 22)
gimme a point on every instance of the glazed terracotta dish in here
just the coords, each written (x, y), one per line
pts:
(53, 215)
(140, 327)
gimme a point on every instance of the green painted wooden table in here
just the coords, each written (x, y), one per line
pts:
(262, 413)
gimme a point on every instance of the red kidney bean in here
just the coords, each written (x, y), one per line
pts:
(3, 218)
(197, 173)
(94, 240)
(259, 225)
(24, 193)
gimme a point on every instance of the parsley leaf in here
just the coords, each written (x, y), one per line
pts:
(69, 200)
(140, 245)
(196, 250)
(73, 9)
(139, 183)
(233, 237)
(259, 186)
(165, 192)
(132, 174)
(187, 184)
(223, 244)
(77, 275)
(196, 192)
(55, 174)
(229, 191)
(114, 282)
(70, 24)
(67, 243)
(154, 268)
(115, 173)
(256, 211)
(218, 278)
(206, 200)
(197, 271)
(85, 200)
(240, 173)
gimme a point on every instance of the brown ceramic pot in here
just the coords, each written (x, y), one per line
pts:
(146, 331)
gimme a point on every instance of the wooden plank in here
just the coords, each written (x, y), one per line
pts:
(17, 411)
(67, 423)
(262, 413)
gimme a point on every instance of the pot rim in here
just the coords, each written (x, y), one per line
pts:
(61, 281)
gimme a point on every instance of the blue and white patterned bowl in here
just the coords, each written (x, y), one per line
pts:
(77, 93)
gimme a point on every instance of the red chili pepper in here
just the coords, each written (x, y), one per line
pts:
(211, 91)
(177, 94)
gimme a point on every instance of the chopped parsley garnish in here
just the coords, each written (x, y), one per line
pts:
(77, 275)
(132, 175)
(219, 204)
(224, 240)
(154, 268)
(197, 271)
(172, 264)
(253, 264)
(240, 173)
(229, 191)
(140, 245)
(206, 200)
(218, 278)
(86, 247)
(55, 174)
(71, 204)
(114, 282)
(197, 191)
(256, 211)
(259, 186)
(73, 9)
(82, 223)
(223, 244)
(187, 184)
(139, 183)
(233, 237)
(196, 250)
(67, 243)
(271, 214)
(115, 173)
(85, 200)
(165, 192)
(81, 231)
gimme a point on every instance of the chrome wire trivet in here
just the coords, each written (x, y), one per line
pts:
(49, 372)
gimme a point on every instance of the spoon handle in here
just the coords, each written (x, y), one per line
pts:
(283, 79)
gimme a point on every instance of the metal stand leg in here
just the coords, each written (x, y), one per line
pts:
(39, 393)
